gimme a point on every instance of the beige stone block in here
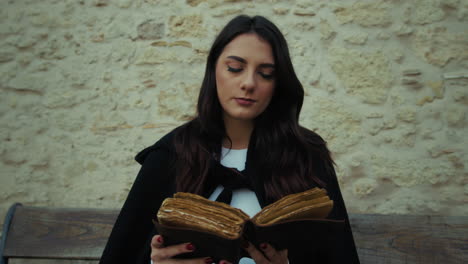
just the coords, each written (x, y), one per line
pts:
(150, 29)
(304, 26)
(109, 122)
(437, 46)
(365, 186)
(181, 43)
(67, 98)
(326, 30)
(455, 75)
(397, 98)
(304, 12)
(424, 100)
(407, 173)
(374, 115)
(366, 75)
(438, 150)
(375, 128)
(155, 55)
(366, 14)
(227, 12)
(28, 83)
(407, 114)
(423, 12)
(409, 201)
(337, 123)
(390, 123)
(358, 38)
(411, 72)
(281, 11)
(437, 88)
(186, 26)
(404, 137)
(179, 101)
(383, 35)
(194, 2)
(455, 115)
(402, 30)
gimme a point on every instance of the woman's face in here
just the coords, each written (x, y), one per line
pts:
(245, 77)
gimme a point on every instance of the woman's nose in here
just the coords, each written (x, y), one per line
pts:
(248, 82)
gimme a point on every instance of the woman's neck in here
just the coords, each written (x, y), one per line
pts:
(239, 132)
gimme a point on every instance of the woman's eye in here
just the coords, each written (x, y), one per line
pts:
(231, 69)
(266, 76)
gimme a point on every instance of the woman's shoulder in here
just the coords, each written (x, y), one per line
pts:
(167, 142)
(312, 137)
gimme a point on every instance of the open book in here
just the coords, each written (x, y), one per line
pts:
(217, 229)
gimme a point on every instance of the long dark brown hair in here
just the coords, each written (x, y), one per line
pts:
(288, 151)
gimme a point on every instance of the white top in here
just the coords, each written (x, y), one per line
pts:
(244, 199)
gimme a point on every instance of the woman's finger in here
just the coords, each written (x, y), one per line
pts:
(254, 253)
(157, 241)
(269, 251)
(163, 253)
(191, 261)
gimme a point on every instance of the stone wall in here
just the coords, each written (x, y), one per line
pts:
(87, 84)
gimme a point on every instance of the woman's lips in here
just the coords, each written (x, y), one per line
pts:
(245, 101)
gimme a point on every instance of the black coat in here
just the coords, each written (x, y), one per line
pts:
(130, 239)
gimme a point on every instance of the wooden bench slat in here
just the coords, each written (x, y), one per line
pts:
(50, 261)
(402, 239)
(44, 235)
(59, 233)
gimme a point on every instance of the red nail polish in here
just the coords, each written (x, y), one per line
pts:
(190, 247)
(159, 239)
(222, 262)
(263, 246)
(208, 260)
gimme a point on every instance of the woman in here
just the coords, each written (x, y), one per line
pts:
(248, 110)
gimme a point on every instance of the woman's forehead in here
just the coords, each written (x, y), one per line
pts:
(250, 47)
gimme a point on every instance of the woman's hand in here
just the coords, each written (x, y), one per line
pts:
(163, 255)
(269, 255)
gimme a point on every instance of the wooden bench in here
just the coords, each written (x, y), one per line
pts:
(35, 235)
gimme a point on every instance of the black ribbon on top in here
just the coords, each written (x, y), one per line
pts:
(231, 179)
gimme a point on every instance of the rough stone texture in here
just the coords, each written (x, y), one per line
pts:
(186, 26)
(367, 75)
(85, 87)
(357, 38)
(366, 14)
(425, 11)
(150, 30)
(326, 30)
(438, 46)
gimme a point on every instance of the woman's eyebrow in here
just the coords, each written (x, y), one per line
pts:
(242, 60)
(239, 59)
